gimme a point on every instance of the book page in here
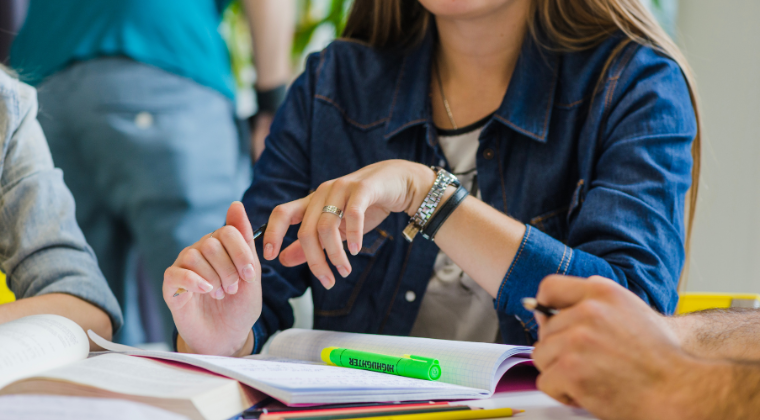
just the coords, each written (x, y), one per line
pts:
(462, 363)
(37, 343)
(138, 376)
(49, 407)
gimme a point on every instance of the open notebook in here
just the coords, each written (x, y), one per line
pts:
(293, 373)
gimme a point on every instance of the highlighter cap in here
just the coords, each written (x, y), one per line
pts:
(420, 367)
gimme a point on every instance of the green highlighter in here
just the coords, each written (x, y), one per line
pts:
(410, 366)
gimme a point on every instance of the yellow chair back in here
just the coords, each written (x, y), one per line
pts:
(698, 301)
(5, 294)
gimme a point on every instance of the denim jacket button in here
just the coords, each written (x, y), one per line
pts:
(410, 296)
(144, 120)
(488, 154)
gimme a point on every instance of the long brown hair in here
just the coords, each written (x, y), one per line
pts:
(565, 26)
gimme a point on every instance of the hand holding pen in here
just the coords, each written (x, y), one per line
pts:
(604, 337)
(221, 278)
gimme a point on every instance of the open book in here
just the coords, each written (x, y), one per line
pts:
(48, 354)
(293, 372)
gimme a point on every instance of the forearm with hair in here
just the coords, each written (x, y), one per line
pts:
(743, 399)
(702, 389)
(720, 333)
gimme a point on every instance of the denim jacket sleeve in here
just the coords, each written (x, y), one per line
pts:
(282, 175)
(629, 225)
(42, 249)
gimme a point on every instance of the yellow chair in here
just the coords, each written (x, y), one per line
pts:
(698, 301)
(5, 294)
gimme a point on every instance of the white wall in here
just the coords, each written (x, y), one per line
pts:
(722, 42)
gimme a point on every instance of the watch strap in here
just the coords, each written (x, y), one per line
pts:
(271, 99)
(442, 180)
(435, 222)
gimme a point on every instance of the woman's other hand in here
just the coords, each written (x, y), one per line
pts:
(222, 276)
(366, 198)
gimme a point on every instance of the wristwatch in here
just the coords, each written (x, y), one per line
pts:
(442, 180)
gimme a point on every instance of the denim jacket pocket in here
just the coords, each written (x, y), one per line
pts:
(556, 223)
(553, 223)
(339, 300)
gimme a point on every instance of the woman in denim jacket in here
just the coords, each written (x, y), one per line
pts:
(48, 264)
(572, 124)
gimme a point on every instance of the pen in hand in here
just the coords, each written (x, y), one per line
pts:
(532, 305)
(257, 233)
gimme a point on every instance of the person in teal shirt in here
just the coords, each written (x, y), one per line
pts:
(137, 100)
(177, 36)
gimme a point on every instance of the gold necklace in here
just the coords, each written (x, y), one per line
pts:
(443, 96)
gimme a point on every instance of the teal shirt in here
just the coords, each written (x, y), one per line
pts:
(179, 36)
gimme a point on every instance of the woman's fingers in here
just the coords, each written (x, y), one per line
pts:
(192, 259)
(239, 252)
(356, 207)
(282, 217)
(237, 218)
(328, 228)
(215, 253)
(182, 278)
(310, 241)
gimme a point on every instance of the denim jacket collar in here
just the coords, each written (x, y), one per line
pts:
(526, 107)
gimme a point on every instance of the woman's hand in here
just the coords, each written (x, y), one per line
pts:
(222, 276)
(366, 197)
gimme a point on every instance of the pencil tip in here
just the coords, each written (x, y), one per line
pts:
(529, 303)
(176, 294)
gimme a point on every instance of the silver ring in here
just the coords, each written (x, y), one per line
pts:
(334, 210)
(212, 234)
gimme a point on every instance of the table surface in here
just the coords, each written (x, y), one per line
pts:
(537, 406)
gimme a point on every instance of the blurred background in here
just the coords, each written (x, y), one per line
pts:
(721, 41)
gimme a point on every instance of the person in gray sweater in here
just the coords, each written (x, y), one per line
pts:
(46, 260)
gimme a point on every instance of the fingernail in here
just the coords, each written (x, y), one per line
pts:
(218, 294)
(353, 248)
(343, 272)
(326, 282)
(269, 251)
(232, 289)
(206, 286)
(249, 274)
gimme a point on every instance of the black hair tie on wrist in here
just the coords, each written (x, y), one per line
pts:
(271, 99)
(435, 223)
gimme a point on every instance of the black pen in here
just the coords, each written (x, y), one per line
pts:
(256, 234)
(532, 305)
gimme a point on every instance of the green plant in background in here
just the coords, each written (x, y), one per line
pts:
(326, 17)
(316, 14)
(317, 23)
(236, 34)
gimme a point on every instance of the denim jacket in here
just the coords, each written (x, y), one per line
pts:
(42, 249)
(600, 179)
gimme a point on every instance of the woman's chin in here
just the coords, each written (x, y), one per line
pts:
(465, 9)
